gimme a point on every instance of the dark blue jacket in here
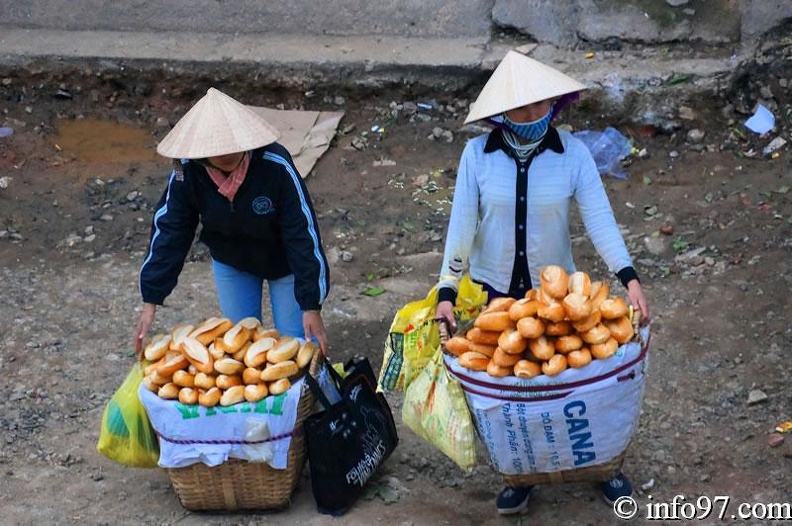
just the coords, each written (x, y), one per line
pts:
(269, 230)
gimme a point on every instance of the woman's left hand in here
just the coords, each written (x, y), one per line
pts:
(638, 300)
(314, 328)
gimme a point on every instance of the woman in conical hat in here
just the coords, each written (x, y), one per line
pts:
(511, 210)
(231, 176)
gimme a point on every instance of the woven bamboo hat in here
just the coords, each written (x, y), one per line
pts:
(519, 80)
(216, 125)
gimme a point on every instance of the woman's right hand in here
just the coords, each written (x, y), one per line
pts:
(143, 325)
(445, 310)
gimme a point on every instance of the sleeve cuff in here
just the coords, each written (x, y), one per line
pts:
(446, 294)
(626, 275)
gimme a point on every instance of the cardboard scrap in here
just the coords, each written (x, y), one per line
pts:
(306, 134)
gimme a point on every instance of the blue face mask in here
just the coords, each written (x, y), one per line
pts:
(531, 131)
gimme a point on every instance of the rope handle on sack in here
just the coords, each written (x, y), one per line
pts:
(295, 432)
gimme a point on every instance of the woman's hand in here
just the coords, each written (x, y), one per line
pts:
(143, 325)
(314, 328)
(445, 310)
(638, 300)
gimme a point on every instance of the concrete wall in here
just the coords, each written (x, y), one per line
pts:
(563, 23)
(413, 18)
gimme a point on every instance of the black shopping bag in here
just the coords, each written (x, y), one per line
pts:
(347, 441)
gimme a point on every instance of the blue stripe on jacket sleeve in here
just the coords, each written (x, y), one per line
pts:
(157, 215)
(312, 230)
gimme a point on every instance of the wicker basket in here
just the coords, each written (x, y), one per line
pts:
(242, 485)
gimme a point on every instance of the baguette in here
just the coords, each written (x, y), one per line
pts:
(474, 361)
(209, 398)
(527, 369)
(254, 393)
(279, 386)
(183, 379)
(157, 347)
(277, 371)
(233, 395)
(306, 354)
(256, 354)
(197, 354)
(188, 396)
(210, 329)
(179, 333)
(286, 348)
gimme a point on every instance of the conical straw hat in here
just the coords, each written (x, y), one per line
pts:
(519, 80)
(216, 125)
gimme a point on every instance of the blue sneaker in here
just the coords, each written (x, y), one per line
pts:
(616, 487)
(513, 499)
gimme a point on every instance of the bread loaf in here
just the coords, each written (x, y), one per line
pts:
(596, 335)
(157, 347)
(233, 395)
(229, 366)
(286, 348)
(541, 348)
(580, 283)
(589, 322)
(568, 343)
(493, 321)
(554, 365)
(251, 376)
(232, 340)
(227, 381)
(210, 397)
(474, 361)
(486, 350)
(599, 292)
(614, 307)
(197, 354)
(551, 312)
(561, 328)
(512, 342)
(621, 329)
(527, 369)
(279, 386)
(554, 281)
(255, 392)
(210, 329)
(576, 306)
(256, 354)
(188, 396)
(457, 345)
(498, 371)
(501, 304)
(306, 354)
(524, 308)
(530, 328)
(603, 351)
(169, 391)
(204, 381)
(477, 335)
(179, 333)
(172, 362)
(504, 359)
(276, 371)
(183, 379)
(579, 357)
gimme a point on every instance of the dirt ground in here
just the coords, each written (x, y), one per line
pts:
(708, 220)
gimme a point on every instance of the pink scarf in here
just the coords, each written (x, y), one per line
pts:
(228, 186)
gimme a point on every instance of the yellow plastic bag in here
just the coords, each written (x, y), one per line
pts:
(126, 436)
(414, 334)
(436, 410)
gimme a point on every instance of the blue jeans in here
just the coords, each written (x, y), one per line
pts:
(240, 294)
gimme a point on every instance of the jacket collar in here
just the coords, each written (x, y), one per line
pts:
(551, 141)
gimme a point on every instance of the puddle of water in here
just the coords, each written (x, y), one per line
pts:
(94, 140)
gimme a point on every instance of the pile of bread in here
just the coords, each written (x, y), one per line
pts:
(219, 362)
(566, 322)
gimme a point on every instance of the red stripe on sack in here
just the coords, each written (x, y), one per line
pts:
(556, 387)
